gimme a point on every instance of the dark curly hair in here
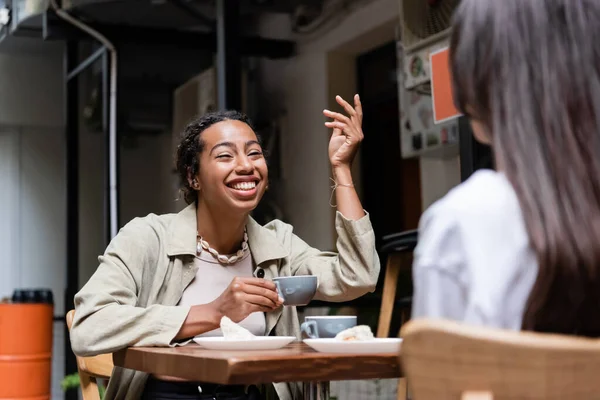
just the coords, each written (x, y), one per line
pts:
(187, 161)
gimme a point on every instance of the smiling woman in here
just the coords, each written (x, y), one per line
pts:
(166, 279)
(232, 137)
(234, 172)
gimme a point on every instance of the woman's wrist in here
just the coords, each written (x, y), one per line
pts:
(201, 318)
(343, 175)
(213, 312)
(347, 201)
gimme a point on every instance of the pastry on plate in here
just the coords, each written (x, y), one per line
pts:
(356, 333)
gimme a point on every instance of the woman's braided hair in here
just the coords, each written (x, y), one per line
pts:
(187, 160)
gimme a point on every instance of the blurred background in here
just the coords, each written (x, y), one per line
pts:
(90, 117)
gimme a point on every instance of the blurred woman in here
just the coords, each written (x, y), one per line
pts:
(520, 248)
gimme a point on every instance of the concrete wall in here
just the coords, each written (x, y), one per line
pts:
(32, 171)
(31, 89)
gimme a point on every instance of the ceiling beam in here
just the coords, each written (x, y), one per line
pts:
(250, 46)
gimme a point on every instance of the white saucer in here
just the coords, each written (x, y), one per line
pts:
(374, 346)
(258, 343)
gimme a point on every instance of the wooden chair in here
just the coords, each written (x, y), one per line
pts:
(91, 369)
(446, 360)
(399, 247)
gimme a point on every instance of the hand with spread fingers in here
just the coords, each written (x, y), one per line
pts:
(343, 145)
(347, 132)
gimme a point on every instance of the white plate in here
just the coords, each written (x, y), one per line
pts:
(387, 345)
(259, 343)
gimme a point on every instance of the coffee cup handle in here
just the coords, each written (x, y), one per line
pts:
(309, 328)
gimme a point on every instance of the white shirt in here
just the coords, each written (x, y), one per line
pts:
(473, 262)
(212, 278)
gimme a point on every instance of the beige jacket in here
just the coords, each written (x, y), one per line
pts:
(131, 300)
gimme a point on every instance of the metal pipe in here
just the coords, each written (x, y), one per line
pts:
(86, 63)
(105, 129)
(72, 166)
(112, 131)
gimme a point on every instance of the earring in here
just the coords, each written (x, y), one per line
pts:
(195, 184)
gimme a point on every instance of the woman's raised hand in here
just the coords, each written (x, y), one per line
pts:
(347, 132)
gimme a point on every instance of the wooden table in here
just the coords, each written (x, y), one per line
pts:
(294, 363)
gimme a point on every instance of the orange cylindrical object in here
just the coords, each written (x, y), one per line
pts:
(25, 351)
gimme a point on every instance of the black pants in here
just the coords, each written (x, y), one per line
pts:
(162, 390)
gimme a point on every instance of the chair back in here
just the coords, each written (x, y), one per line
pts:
(91, 369)
(445, 360)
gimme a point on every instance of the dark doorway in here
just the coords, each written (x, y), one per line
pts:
(391, 185)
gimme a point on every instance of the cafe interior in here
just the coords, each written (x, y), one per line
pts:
(116, 81)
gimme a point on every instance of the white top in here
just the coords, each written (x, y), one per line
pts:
(212, 279)
(473, 262)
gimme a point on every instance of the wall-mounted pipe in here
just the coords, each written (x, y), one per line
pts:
(112, 128)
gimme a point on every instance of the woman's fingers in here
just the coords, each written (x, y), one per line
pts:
(269, 294)
(337, 125)
(348, 130)
(349, 109)
(256, 282)
(350, 126)
(355, 113)
(358, 107)
(337, 116)
(260, 301)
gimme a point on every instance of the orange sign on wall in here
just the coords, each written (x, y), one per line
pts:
(441, 87)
